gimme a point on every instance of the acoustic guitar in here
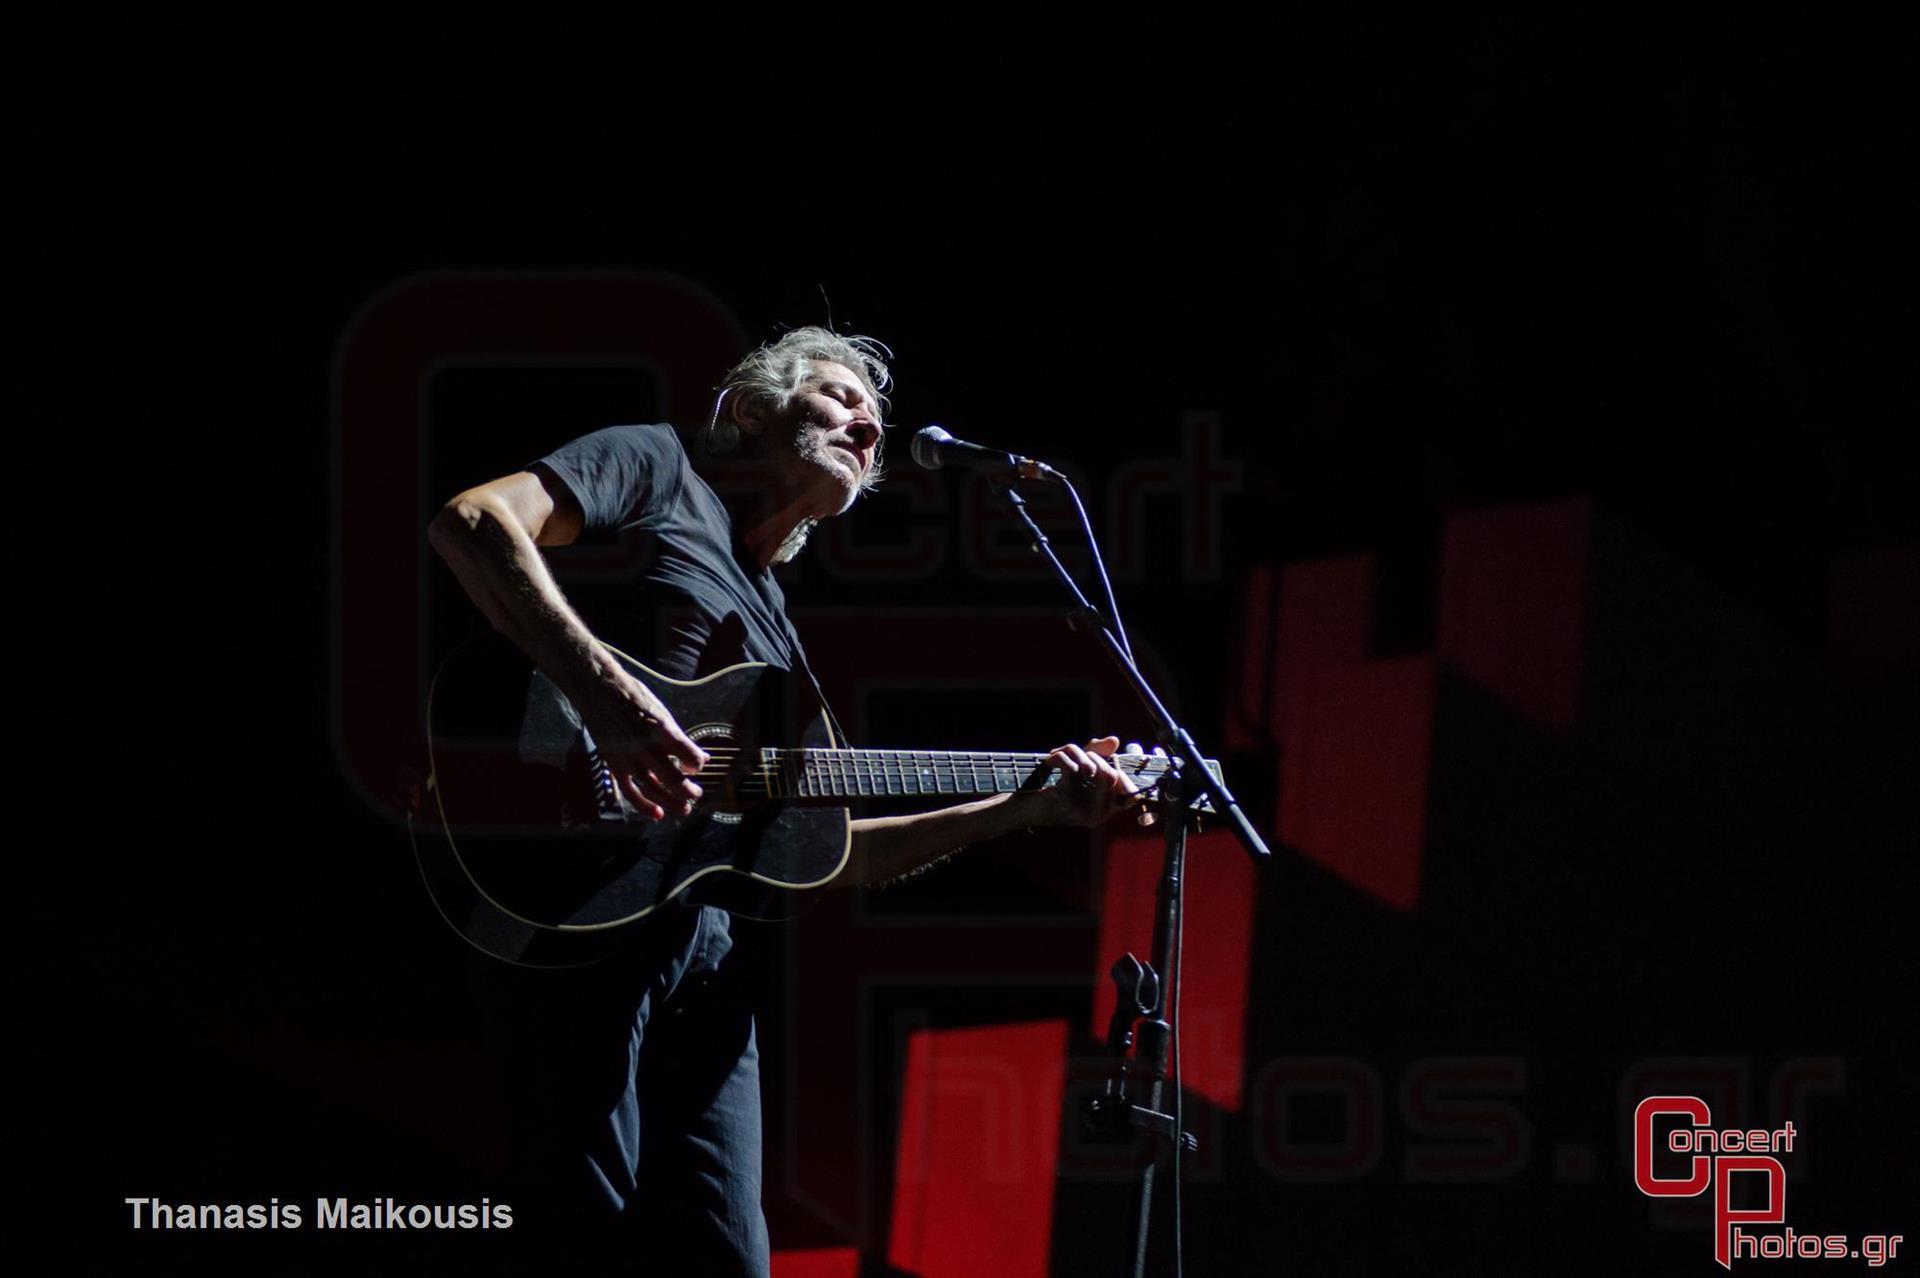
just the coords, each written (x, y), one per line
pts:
(541, 861)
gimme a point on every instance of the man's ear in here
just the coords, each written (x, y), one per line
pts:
(748, 416)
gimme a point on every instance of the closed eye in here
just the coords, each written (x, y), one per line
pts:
(852, 397)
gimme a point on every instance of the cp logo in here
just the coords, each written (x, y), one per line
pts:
(1716, 1170)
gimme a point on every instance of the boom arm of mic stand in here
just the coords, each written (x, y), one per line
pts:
(1176, 738)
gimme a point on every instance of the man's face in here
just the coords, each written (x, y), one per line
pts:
(834, 426)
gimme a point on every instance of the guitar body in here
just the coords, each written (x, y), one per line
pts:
(541, 861)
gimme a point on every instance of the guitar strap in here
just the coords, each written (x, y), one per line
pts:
(799, 651)
(800, 654)
(774, 600)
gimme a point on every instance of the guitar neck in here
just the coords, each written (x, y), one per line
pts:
(860, 774)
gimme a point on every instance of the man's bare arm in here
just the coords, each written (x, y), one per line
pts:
(490, 537)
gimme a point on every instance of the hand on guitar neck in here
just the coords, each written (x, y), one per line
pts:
(1092, 790)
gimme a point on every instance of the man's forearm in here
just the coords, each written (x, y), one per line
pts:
(506, 576)
(886, 848)
(493, 547)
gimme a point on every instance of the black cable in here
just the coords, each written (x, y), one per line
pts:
(1099, 568)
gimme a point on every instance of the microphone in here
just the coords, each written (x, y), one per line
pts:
(934, 448)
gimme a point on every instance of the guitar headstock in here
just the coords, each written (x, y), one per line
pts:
(1134, 765)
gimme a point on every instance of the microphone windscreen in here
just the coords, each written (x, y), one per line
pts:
(926, 446)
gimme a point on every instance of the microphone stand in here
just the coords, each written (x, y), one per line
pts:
(1148, 994)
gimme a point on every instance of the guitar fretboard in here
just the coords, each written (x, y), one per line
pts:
(854, 774)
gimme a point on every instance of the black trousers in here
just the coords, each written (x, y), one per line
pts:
(635, 1087)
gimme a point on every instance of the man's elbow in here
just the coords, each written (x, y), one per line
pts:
(459, 524)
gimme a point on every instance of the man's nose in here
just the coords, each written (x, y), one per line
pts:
(864, 431)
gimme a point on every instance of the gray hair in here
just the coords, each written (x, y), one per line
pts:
(770, 377)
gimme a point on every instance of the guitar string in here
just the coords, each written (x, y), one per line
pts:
(795, 771)
(817, 763)
(885, 768)
(836, 756)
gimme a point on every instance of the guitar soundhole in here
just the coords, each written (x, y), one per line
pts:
(719, 783)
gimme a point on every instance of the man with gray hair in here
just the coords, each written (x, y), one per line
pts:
(636, 1080)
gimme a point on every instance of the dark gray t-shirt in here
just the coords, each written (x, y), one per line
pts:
(697, 602)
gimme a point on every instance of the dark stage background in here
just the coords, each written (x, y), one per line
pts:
(1498, 420)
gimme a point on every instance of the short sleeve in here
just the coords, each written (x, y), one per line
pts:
(621, 474)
